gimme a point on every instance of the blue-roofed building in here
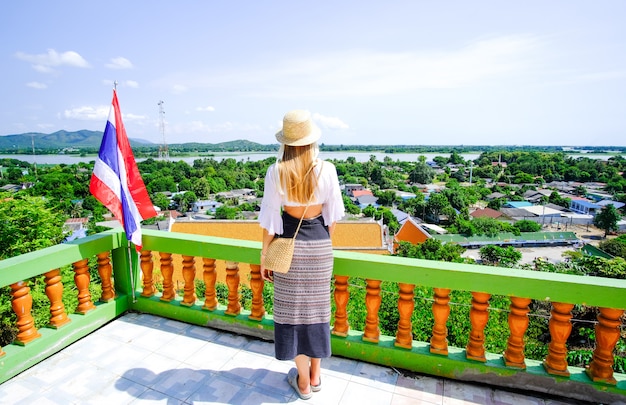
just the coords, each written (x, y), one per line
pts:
(584, 207)
(517, 204)
(365, 200)
(401, 216)
(616, 204)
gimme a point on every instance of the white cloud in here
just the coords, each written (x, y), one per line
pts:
(133, 117)
(44, 62)
(131, 83)
(43, 69)
(119, 63)
(37, 85)
(330, 122)
(208, 108)
(88, 113)
(99, 113)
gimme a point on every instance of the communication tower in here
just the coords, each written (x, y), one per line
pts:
(163, 151)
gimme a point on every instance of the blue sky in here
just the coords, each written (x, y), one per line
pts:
(371, 72)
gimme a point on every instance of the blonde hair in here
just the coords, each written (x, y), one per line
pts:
(295, 171)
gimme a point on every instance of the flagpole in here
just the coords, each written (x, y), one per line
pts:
(132, 272)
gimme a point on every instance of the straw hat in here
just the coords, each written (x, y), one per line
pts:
(298, 129)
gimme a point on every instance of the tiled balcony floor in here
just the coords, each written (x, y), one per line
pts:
(147, 359)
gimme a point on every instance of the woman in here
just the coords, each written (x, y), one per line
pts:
(299, 185)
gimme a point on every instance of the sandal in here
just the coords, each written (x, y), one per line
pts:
(318, 387)
(292, 378)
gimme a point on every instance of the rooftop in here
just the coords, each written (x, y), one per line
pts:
(140, 358)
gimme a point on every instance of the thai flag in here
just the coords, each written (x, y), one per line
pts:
(116, 181)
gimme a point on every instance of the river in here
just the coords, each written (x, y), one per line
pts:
(255, 156)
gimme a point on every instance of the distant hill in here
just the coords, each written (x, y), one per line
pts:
(239, 145)
(89, 141)
(59, 140)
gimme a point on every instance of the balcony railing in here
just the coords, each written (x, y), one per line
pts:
(128, 284)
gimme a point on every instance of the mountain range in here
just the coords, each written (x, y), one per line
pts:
(86, 139)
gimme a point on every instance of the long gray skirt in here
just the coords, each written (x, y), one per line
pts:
(302, 295)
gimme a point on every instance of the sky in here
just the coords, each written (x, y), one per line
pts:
(415, 72)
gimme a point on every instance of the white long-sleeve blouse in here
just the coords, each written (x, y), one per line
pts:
(327, 193)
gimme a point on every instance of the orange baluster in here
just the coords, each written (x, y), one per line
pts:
(441, 312)
(189, 274)
(341, 295)
(2, 353)
(560, 329)
(518, 323)
(81, 279)
(404, 336)
(105, 271)
(210, 276)
(54, 291)
(607, 334)
(479, 316)
(256, 285)
(167, 271)
(372, 305)
(147, 270)
(232, 281)
(22, 303)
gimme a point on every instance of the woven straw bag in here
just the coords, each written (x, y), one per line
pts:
(279, 254)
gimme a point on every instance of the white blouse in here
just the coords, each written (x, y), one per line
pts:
(327, 193)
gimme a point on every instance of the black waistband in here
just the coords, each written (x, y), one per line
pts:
(311, 228)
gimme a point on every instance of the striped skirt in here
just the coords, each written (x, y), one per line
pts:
(302, 296)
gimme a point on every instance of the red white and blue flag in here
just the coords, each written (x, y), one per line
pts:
(116, 181)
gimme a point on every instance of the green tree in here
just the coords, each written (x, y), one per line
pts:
(498, 256)
(161, 201)
(422, 173)
(27, 224)
(369, 211)
(184, 185)
(201, 187)
(436, 203)
(607, 219)
(386, 198)
(616, 246)
(526, 225)
(351, 208)
(389, 219)
(431, 249)
(486, 226)
(225, 212)
(14, 175)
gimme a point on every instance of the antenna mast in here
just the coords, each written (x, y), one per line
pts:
(163, 151)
